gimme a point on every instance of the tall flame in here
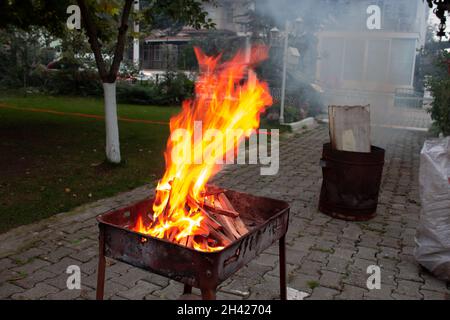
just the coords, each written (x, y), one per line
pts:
(226, 103)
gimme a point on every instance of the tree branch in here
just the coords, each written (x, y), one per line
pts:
(121, 37)
(91, 30)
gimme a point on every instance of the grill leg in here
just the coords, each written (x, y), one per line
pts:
(208, 294)
(187, 289)
(282, 251)
(101, 266)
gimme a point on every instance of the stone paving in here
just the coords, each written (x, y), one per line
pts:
(327, 258)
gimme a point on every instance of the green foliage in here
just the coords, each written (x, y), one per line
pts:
(440, 110)
(25, 14)
(69, 82)
(21, 52)
(171, 90)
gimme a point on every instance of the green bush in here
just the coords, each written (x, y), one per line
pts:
(171, 90)
(440, 110)
(66, 82)
(439, 85)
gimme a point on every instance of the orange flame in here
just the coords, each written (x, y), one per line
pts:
(225, 104)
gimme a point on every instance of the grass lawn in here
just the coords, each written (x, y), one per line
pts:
(51, 163)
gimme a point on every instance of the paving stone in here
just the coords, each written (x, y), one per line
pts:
(295, 257)
(350, 292)
(156, 279)
(331, 280)
(91, 280)
(320, 249)
(388, 264)
(408, 288)
(25, 256)
(397, 296)
(322, 293)
(90, 267)
(85, 255)
(6, 263)
(65, 295)
(269, 289)
(311, 267)
(433, 284)
(409, 271)
(434, 295)
(130, 278)
(384, 293)
(58, 254)
(30, 267)
(111, 288)
(366, 253)
(318, 256)
(267, 260)
(275, 272)
(172, 292)
(253, 270)
(60, 267)
(342, 253)
(227, 296)
(39, 291)
(119, 267)
(7, 289)
(303, 282)
(138, 291)
(335, 264)
(31, 280)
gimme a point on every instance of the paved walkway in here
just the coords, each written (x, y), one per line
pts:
(327, 258)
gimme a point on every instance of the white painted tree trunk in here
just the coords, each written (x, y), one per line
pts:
(112, 126)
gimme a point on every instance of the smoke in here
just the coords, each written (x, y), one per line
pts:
(356, 54)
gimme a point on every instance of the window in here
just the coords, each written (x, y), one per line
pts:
(403, 53)
(377, 60)
(157, 54)
(229, 14)
(331, 60)
(354, 60)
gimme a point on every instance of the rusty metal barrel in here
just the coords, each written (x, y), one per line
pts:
(351, 183)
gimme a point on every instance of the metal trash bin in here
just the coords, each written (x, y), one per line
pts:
(351, 183)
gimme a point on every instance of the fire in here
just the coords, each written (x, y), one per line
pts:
(226, 102)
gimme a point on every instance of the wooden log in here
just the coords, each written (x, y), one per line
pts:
(210, 220)
(183, 241)
(350, 128)
(220, 236)
(172, 235)
(239, 224)
(189, 242)
(228, 226)
(211, 191)
(226, 204)
(224, 212)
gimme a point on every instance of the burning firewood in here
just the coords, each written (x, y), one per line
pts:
(183, 204)
(225, 212)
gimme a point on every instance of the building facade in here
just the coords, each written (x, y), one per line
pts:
(161, 50)
(356, 58)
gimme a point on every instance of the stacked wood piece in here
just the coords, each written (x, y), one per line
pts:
(350, 128)
(223, 222)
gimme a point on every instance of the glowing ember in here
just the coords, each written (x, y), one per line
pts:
(227, 104)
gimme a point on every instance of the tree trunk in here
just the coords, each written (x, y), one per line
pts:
(112, 127)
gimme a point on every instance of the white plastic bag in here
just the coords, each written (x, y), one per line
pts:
(433, 234)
